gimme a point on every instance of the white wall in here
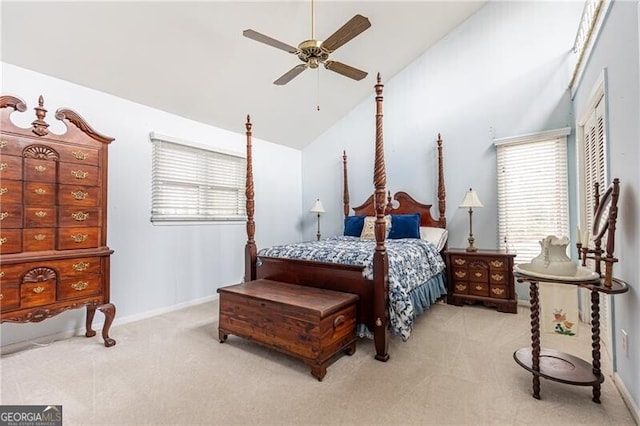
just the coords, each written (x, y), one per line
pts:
(502, 73)
(617, 51)
(155, 268)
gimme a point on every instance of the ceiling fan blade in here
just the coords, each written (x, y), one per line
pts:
(254, 35)
(348, 31)
(345, 70)
(290, 75)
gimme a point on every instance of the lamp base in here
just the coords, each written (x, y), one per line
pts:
(471, 247)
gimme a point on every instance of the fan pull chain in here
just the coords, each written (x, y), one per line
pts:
(318, 106)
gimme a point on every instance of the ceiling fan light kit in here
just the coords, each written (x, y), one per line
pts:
(315, 52)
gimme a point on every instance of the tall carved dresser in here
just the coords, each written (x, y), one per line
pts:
(53, 218)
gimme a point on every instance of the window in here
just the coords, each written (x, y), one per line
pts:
(532, 191)
(195, 184)
(590, 22)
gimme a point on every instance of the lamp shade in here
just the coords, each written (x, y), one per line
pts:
(471, 200)
(317, 207)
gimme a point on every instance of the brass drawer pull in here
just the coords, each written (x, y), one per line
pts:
(3, 166)
(41, 213)
(4, 215)
(338, 321)
(461, 287)
(79, 174)
(79, 155)
(1, 296)
(478, 287)
(80, 267)
(38, 290)
(3, 143)
(497, 263)
(1, 274)
(3, 190)
(80, 285)
(459, 261)
(478, 274)
(80, 216)
(40, 168)
(497, 277)
(3, 240)
(40, 191)
(460, 274)
(79, 195)
(39, 237)
(78, 238)
(497, 290)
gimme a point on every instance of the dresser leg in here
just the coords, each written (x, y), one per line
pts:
(109, 311)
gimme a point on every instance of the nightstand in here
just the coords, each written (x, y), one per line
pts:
(481, 276)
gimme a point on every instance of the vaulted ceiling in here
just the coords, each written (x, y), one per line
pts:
(190, 58)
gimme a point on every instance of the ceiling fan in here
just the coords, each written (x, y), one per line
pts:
(315, 52)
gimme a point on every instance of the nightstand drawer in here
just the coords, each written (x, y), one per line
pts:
(498, 277)
(478, 275)
(498, 264)
(498, 291)
(461, 287)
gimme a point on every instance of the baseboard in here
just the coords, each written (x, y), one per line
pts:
(626, 397)
(97, 325)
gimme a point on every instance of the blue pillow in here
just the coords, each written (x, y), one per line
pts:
(353, 225)
(405, 226)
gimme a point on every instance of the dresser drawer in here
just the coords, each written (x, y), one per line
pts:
(80, 155)
(38, 239)
(77, 216)
(498, 291)
(458, 261)
(10, 145)
(74, 238)
(10, 191)
(461, 287)
(497, 277)
(10, 167)
(460, 274)
(9, 296)
(78, 174)
(479, 288)
(478, 274)
(10, 215)
(80, 286)
(36, 170)
(10, 241)
(39, 193)
(77, 267)
(37, 293)
(39, 217)
(76, 195)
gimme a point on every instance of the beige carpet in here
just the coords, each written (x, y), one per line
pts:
(456, 369)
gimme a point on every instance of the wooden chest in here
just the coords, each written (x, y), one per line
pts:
(53, 206)
(309, 323)
(482, 276)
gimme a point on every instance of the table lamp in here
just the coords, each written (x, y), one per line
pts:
(471, 201)
(317, 208)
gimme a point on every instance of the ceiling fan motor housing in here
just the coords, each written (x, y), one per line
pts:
(311, 52)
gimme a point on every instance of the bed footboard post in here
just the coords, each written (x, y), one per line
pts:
(250, 250)
(380, 259)
(442, 205)
(345, 185)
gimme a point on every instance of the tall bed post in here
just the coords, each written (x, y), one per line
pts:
(250, 251)
(345, 185)
(380, 259)
(442, 206)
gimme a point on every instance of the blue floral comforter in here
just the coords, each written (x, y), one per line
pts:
(412, 264)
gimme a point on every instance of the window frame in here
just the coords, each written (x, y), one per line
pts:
(207, 157)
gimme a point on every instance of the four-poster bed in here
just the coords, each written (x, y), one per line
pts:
(372, 286)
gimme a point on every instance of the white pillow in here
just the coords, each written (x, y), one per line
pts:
(436, 236)
(369, 227)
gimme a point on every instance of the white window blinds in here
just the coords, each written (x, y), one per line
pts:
(532, 191)
(194, 184)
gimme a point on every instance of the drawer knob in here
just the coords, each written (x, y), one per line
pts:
(3, 215)
(40, 191)
(80, 216)
(3, 166)
(78, 238)
(497, 263)
(38, 290)
(1, 296)
(79, 195)
(338, 321)
(80, 267)
(3, 143)
(39, 237)
(497, 277)
(459, 261)
(461, 287)
(1, 274)
(80, 285)
(40, 168)
(79, 155)
(41, 213)
(461, 274)
(79, 174)
(497, 290)
(3, 190)
(478, 287)
(478, 274)
(3, 240)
